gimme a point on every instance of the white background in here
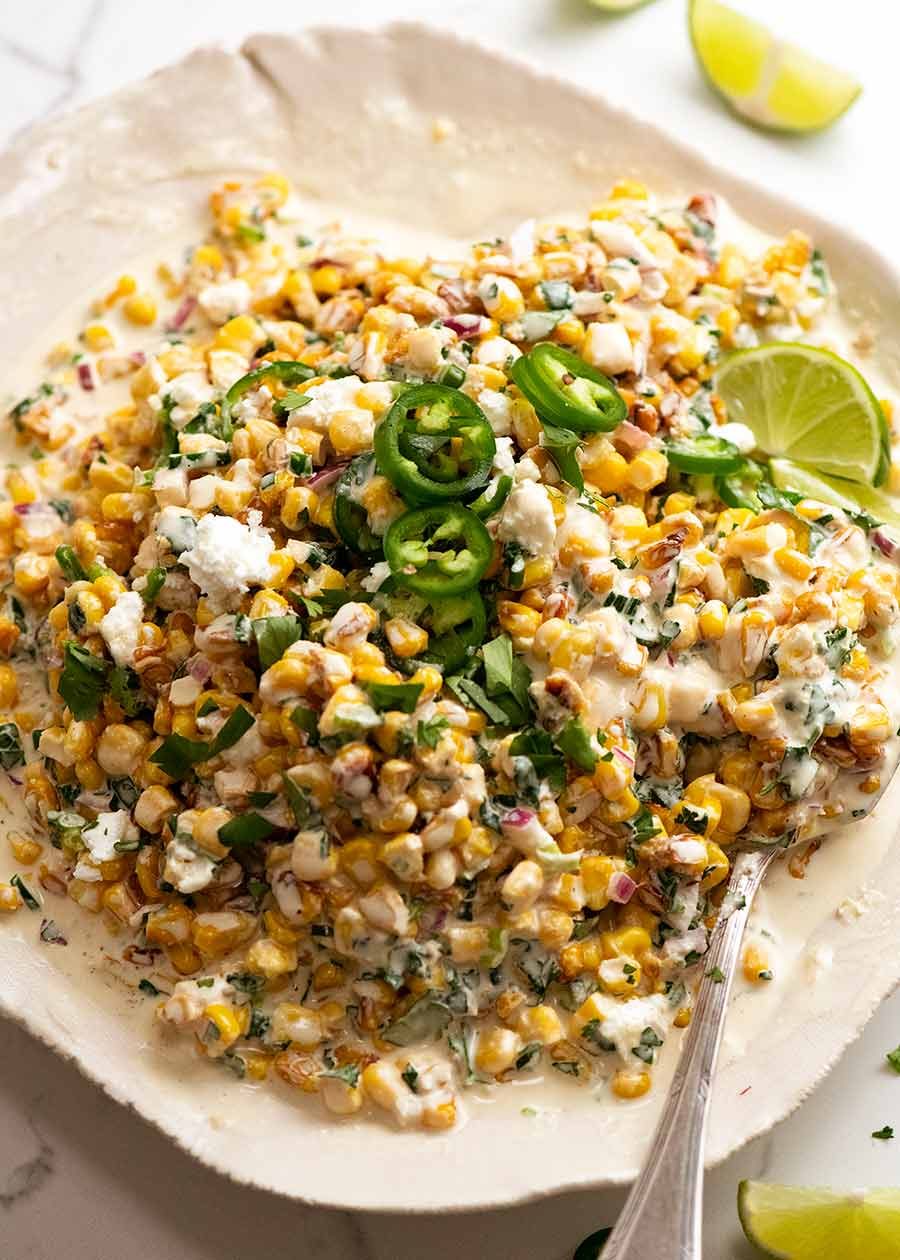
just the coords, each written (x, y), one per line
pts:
(79, 1176)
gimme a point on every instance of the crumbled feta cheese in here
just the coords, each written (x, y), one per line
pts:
(528, 518)
(170, 486)
(179, 527)
(227, 558)
(504, 456)
(328, 399)
(497, 408)
(109, 830)
(219, 302)
(624, 1022)
(186, 869)
(188, 391)
(496, 352)
(226, 367)
(608, 347)
(376, 577)
(121, 627)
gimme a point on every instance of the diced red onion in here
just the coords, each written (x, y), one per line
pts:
(200, 669)
(23, 509)
(467, 325)
(85, 376)
(621, 888)
(517, 818)
(885, 544)
(183, 314)
(138, 358)
(13, 779)
(325, 476)
(705, 207)
(625, 757)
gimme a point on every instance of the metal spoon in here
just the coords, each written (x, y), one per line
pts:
(662, 1217)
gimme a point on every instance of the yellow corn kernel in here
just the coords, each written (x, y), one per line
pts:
(31, 573)
(10, 900)
(756, 717)
(679, 502)
(406, 638)
(630, 942)
(271, 959)
(170, 925)
(712, 620)
(21, 490)
(603, 466)
(649, 468)
(350, 432)
(230, 1023)
(537, 572)
(517, 619)
(755, 965)
(794, 563)
(554, 928)
(629, 1084)
(327, 280)
(140, 308)
(650, 707)
(596, 872)
(540, 1023)
(89, 774)
(9, 687)
(241, 334)
(430, 679)
(125, 285)
(98, 337)
(497, 1050)
(716, 868)
(24, 849)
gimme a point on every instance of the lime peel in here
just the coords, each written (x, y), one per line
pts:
(848, 495)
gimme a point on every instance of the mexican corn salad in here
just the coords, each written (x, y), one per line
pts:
(397, 646)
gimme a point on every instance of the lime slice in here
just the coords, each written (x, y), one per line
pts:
(810, 406)
(806, 1223)
(849, 495)
(773, 83)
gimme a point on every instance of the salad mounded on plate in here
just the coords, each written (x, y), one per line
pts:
(420, 633)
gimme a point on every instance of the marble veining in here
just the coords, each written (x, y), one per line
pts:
(81, 1176)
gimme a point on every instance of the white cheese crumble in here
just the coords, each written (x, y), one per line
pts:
(186, 869)
(327, 400)
(108, 831)
(739, 435)
(624, 1022)
(528, 519)
(219, 302)
(188, 392)
(121, 627)
(608, 347)
(227, 558)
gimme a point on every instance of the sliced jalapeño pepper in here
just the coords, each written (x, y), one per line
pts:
(350, 518)
(440, 550)
(738, 489)
(492, 498)
(435, 444)
(284, 370)
(704, 454)
(568, 392)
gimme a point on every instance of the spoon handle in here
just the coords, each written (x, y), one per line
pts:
(663, 1214)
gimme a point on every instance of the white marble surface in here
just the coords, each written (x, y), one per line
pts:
(83, 1178)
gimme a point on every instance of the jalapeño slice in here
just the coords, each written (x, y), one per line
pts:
(440, 550)
(568, 392)
(703, 454)
(492, 498)
(284, 370)
(738, 489)
(350, 518)
(435, 444)
(454, 625)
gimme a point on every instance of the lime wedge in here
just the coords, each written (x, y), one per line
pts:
(773, 83)
(810, 406)
(852, 496)
(617, 6)
(806, 1223)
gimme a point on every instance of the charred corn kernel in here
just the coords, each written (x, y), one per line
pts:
(98, 337)
(439, 1115)
(169, 926)
(649, 468)
(31, 573)
(596, 872)
(279, 929)
(405, 638)
(554, 928)
(754, 964)
(89, 774)
(359, 859)
(24, 849)
(326, 976)
(717, 867)
(603, 466)
(271, 959)
(9, 899)
(497, 1050)
(215, 934)
(629, 1084)
(140, 308)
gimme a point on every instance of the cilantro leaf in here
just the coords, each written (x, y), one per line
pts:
(399, 697)
(83, 681)
(177, 755)
(574, 741)
(247, 829)
(561, 445)
(274, 635)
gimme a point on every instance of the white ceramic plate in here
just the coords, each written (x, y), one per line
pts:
(349, 116)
